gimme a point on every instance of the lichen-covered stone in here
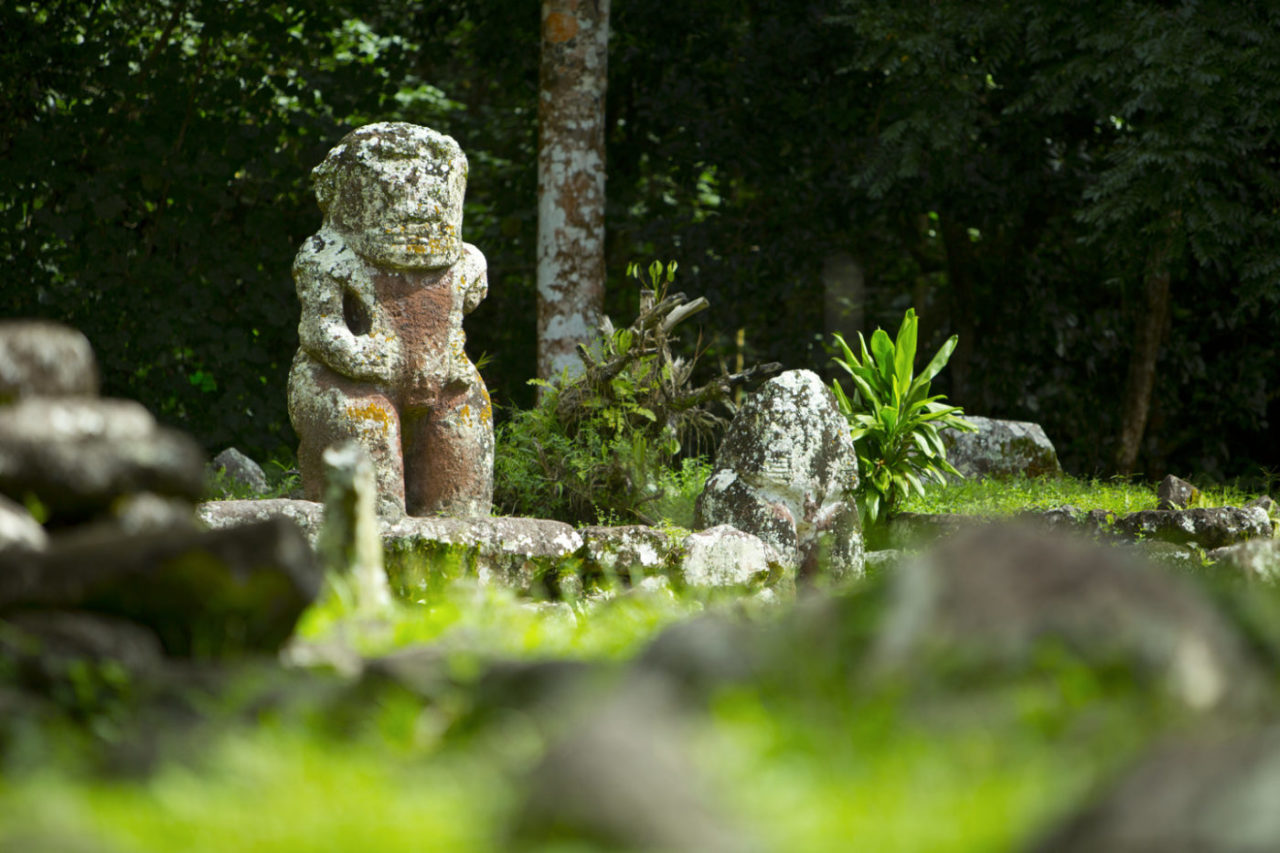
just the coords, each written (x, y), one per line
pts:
(723, 556)
(630, 552)
(1001, 449)
(785, 472)
(424, 554)
(42, 359)
(240, 469)
(220, 515)
(994, 597)
(1204, 527)
(384, 285)
(77, 456)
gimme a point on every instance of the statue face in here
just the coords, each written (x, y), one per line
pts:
(394, 191)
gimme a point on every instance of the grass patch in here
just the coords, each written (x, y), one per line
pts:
(995, 497)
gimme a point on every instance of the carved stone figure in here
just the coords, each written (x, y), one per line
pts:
(384, 285)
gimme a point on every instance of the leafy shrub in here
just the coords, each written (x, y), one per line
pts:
(893, 420)
(601, 445)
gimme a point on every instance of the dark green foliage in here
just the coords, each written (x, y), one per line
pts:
(599, 445)
(1009, 169)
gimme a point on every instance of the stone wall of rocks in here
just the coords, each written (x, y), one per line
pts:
(98, 526)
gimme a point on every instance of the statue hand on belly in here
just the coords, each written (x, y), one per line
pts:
(384, 285)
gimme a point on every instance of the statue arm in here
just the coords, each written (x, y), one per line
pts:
(323, 330)
(474, 277)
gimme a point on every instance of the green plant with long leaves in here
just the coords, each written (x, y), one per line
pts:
(894, 421)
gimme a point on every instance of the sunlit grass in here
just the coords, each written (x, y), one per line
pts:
(490, 621)
(1015, 494)
(268, 789)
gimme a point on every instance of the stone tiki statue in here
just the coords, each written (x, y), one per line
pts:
(384, 285)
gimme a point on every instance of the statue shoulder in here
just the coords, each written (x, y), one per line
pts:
(324, 257)
(472, 262)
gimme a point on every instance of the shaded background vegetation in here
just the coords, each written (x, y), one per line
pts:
(1016, 172)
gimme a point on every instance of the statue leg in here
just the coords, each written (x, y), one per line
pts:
(449, 453)
(326, 409)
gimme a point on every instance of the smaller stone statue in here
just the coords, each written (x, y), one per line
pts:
(384, 285)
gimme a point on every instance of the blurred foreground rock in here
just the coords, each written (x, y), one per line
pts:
(116, 494)
(42, 359)
(621, 779)
(202, 592)
(1204, 794)
(995, 597)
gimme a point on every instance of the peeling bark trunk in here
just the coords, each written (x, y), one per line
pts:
(1142, 363)
(571, 174)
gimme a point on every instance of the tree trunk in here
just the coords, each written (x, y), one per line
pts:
(571, 121)
(1142, 363)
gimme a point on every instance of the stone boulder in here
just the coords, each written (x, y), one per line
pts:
(78, 456)
(1203, 527)
(1175, 493)
(785, 473)
(1001, 449)
(1206, 793)
(41, 359)
(240, 470)
(202, 592)
(990, 598)
(424, 554)
(723, 556)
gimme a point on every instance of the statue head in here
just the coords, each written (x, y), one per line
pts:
(394, 190)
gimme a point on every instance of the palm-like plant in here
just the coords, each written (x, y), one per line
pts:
(893, 420)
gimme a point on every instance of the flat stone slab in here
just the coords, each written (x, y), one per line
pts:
(424, 554)
(631, 551)
(220, 515)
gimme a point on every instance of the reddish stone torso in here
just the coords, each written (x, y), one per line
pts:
(417, 308)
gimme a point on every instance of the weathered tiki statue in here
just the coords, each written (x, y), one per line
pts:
(383, 286)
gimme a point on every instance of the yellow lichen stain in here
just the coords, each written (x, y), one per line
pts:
(369, 412)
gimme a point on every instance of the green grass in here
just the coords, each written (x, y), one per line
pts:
(1015, 494)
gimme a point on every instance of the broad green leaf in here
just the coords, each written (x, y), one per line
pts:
(939, 361)
(882, 349)
(905, 350)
